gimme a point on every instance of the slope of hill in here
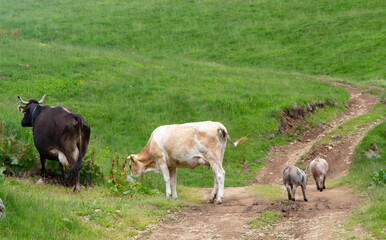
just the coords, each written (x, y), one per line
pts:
(130, 66)
(337, 38)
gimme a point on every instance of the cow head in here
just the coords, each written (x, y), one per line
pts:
(29, 110)
(136, 166)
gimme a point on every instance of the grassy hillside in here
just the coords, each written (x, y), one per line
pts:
(337, 38)
(130, 66)
(54, 212)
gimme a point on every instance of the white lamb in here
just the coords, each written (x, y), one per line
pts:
(319, 169)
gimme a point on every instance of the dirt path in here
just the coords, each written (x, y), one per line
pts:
(343, 152)
(322, 217)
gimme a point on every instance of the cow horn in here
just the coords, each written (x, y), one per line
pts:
(21, 100)
(42, 100)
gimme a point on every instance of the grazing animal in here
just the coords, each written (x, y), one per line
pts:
(59, 135)
(292, 178)
(186, 145)
(319, 169)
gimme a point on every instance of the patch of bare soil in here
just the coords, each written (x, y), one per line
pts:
(322, 217)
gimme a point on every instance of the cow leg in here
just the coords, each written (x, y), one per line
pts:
(43, 162)
(166, 174)
(77, 184)
(304, 192)
(214, 191)
(213, 195)
(219, 174)
(61, 168)
(173, 180)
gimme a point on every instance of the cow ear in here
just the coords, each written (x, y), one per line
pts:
(21, 109)
(132, 157)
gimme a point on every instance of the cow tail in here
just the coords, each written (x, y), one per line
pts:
(73, 174)
(224, 135)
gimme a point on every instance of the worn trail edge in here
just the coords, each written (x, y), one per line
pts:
(322, 217)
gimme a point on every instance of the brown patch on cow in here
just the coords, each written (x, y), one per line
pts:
(144, 155)
(178, 137)
(156, 154)
(211, 142)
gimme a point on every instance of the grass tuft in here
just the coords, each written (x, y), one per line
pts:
(268, 192)
(265, 219)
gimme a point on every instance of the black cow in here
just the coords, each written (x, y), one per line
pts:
(59, 135)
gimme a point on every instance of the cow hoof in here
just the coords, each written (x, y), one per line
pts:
(211, 201)
(217, 202)
(306, 200)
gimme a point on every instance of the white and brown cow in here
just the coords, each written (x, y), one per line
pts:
(186, 145)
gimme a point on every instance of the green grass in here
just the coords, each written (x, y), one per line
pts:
(265, 219)
(129, 67)
(337, 38)
(324, 115)
(373, 213)
(54, 212)
(268, 192)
